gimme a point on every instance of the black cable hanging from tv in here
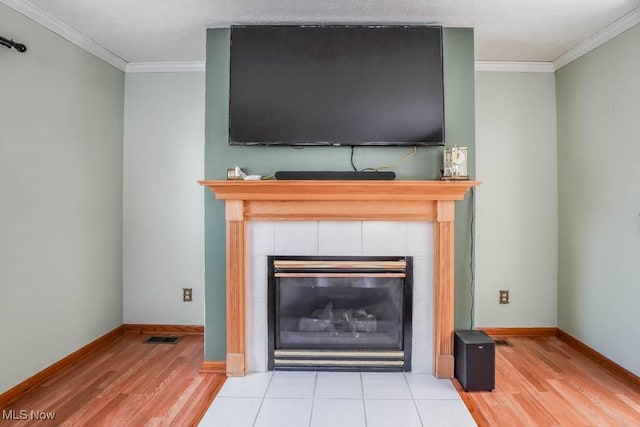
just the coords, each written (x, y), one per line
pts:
(9, 43)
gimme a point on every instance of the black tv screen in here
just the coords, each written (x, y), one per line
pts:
(336, 85)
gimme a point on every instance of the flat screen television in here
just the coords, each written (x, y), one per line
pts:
(336, 85)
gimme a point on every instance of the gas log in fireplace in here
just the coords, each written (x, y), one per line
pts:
(339, 313)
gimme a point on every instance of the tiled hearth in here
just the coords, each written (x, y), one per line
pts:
(349, 238)
(337, 399)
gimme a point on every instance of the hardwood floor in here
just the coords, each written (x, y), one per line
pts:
(539, 382)
(126, 383)
(545, 382)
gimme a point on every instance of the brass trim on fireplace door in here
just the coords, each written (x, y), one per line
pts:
(336, 353)
(340, 275)
(340, 265)
(399, 363)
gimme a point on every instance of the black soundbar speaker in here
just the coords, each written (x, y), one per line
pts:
(475, 360)
(335, 175)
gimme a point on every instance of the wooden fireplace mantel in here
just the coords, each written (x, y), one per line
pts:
(335, 201)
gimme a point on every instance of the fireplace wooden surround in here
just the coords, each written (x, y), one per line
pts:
(336, 201)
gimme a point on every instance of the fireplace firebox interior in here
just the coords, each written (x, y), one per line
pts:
(339, 313)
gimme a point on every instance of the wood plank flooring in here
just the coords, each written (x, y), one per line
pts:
(539, 382)
(545, 382)
(126, 383)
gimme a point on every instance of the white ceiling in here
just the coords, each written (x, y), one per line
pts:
(174, 30)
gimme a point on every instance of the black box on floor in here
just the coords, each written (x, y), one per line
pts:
(475, 360)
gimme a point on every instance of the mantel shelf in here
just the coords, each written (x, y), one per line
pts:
(339, 190)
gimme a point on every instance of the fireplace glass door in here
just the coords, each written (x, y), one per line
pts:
(340, 313)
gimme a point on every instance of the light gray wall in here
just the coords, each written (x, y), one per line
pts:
(599, 198)
(517, 203)
(163, 212)
(60, 199)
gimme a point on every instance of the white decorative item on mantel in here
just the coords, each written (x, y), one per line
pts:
(455, 164)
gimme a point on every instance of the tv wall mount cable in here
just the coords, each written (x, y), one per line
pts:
(11, 44)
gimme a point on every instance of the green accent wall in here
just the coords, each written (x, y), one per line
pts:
(598, 98)
(460, 130)
(459, 106)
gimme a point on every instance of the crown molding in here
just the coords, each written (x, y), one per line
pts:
(515, 66)
(38, 15)
(41, 17)
(165, 67)
(617, 27)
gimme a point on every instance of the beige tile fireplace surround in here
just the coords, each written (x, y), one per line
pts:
(405, 201)
(339, 238)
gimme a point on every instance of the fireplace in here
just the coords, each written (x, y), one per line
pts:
(257, 201)
(339, 313)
